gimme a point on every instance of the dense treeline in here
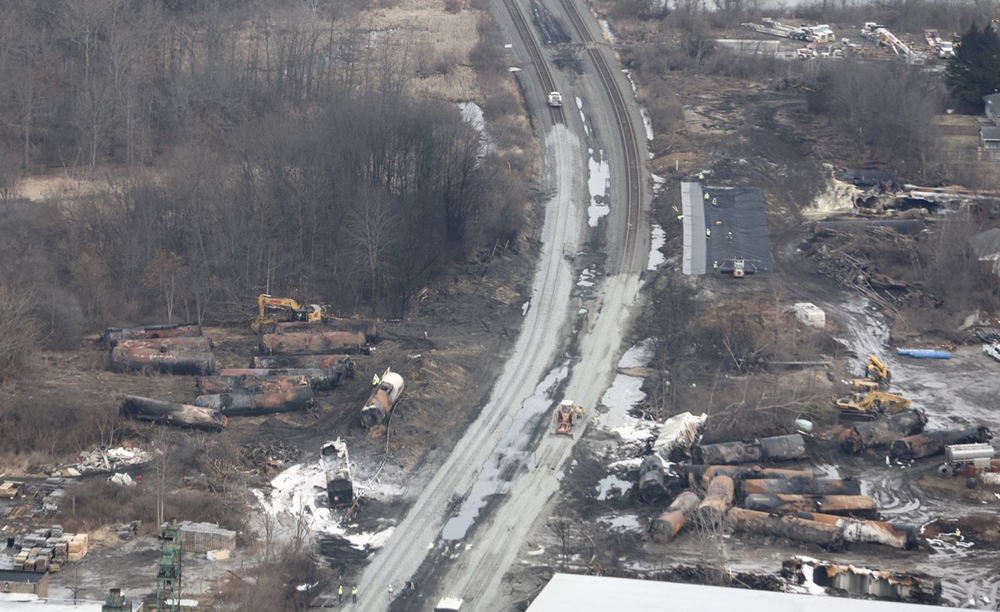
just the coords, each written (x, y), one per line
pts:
(256, 146)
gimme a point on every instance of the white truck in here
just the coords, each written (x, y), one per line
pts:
(555, 99)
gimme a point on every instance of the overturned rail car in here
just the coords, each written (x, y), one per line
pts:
(718, 500)
(336, 464)
(382, 400)
(209, 385)
(172, 413)
(777, 448)
(368, 327)
(667, 525)
(932, 443)
(881, 432)
(272, 362)
(700, 475)
(854, 505)
(126, 357)
(322, 343)
(801, 485)
(319, 378)
(113, 335)
(289, 398)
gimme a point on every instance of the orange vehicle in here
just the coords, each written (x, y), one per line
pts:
(566, 416)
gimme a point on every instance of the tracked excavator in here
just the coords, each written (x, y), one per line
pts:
(271, 310)
(867, 406)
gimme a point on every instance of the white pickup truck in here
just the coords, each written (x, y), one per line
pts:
(555, 99)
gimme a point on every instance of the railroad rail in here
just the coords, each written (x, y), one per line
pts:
(544, 74)
(630, 148)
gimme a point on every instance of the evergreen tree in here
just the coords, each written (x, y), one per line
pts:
(974, 71)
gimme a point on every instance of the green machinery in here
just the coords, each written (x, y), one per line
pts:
(116, 602)
(168, 570)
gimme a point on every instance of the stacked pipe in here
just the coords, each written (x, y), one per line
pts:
(178, 355)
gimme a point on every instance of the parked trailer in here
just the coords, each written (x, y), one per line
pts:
(319, 378)
(382, 400)
(669, 524)
(172, 413)
(322, 343)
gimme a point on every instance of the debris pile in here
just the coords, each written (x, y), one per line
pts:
(269, 458)
(849, 580)
(109, 459)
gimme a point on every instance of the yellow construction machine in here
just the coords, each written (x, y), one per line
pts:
(566, 416)
(863, 385)
(877, 371)
(867, 406)
(271, 310)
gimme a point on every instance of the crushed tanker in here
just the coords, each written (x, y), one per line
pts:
(852, 580)
(367, 327)
(319, 379)
(336, 464)
(113, 335)
(854, 505)
(701, 475)
(777, 448)
(382, 400)
(669, 524)
(932, 443)
(165, 355)
(718, 500)
(172, 413)
(801, 485)
(881, 432)
(285, 398)
(275, 362)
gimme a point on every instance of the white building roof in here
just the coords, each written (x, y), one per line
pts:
(573, 593)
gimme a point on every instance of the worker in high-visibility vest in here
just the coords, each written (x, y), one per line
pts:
(706, 196)
(376, 380)
(708, 231)
(701, 176)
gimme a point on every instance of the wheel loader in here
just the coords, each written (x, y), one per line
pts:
(567, 415)
(867, 406)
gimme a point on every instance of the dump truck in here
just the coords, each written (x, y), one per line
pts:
(336, 464)
(567, 415)
(868, 406)
(382, 400)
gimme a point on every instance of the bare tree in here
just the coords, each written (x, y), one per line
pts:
(372, 236)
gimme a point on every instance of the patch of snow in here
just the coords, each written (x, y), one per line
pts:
(306, 587)
(648, 123)
(639, 355)
(583, 116)
(628, 75)
(659, 238)
(586, 278)
(582, 311)
(658, 182)
(623, 522)
(371, 540)
(513, 69)
(826, 470)
(473, 115)
(535, 553)
(626, 464)
(524, 308)
(609, 483)
(598, 184)
(609, 34)
(624, 393)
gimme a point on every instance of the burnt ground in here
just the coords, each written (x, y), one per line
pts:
(470, 318)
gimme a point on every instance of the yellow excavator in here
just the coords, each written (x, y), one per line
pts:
(566, 416)
(877, 371)
(867, 406)
(271, 310)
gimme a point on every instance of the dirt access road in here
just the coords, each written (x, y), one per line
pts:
(495, 456)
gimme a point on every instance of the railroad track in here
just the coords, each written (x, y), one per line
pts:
(544, 74)
(630, 148)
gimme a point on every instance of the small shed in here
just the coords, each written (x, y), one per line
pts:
(810, 314)
(31, 583)
(989, 141)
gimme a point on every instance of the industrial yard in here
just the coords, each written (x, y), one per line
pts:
(778, 375)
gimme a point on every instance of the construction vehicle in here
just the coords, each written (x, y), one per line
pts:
(738, 267)
(863, 385)
(273, 310)
(967, 459)
(555, 99)
(867, 406)
(566, 416)
(877, 371)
